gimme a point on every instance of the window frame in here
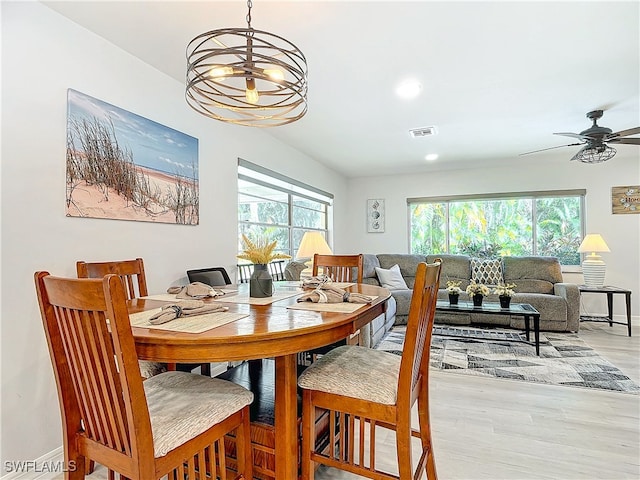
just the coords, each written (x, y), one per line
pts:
(294, 189)
(484, 197)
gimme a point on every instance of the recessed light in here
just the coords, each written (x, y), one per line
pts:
(431, 157)
(423, 132)
(409, 89)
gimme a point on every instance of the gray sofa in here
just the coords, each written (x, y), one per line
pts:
(538, 282)
(373, 332)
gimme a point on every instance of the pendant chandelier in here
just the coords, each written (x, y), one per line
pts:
(246, 77)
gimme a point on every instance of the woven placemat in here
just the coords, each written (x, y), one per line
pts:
(191, 324)
(343, 307)
(245, 298)
(171, 297)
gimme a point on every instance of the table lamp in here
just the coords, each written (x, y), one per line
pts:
(312, 243)
(593, 268)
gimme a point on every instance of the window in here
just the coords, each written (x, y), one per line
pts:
(528, 223)
(279, 208)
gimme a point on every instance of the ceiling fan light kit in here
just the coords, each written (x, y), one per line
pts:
(246, 77)
(595, 139)
(597, 154)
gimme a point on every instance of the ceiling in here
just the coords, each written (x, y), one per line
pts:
(498, 78)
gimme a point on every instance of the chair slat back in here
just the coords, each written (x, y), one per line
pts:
(244, 272)
(131, 272)
(340, 268)
(95, 364)
(276, 269)
(417, 345)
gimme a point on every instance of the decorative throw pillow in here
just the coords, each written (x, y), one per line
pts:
(486, 271)
(392, 278)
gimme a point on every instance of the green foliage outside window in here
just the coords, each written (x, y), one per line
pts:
(492, 228)
(265, 212)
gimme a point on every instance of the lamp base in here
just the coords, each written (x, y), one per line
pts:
(593, 271)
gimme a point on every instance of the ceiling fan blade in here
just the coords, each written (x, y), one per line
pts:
(573, 135)
(628, 141)
(551, 148)
(625, 133)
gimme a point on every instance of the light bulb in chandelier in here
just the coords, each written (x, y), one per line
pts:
(221, 72)
(251, 93)
(274, 74)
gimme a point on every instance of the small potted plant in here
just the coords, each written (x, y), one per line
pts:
(504, 292)
(477, 291)
(454, 290)
(260, 252)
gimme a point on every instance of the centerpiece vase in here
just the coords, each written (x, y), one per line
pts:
(477, 300)
(453, 299)
(505, 301)
(260, 282)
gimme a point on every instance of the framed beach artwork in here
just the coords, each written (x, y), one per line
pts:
(126, 167)
(375, 215)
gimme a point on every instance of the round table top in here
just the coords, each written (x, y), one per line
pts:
(267, 330)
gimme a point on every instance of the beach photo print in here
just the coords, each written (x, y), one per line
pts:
(126, 167)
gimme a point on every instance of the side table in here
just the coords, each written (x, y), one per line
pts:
(609, 291)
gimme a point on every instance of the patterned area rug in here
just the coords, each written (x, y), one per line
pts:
(564, 358)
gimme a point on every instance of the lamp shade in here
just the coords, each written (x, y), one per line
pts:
(312, 243)
(593, 242)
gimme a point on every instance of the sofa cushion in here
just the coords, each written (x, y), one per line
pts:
(487, 271)
(532, 274)
(369, 264)
(408, 265)
(551, 307)
(391, 278)
(403, 302)
(455, 268)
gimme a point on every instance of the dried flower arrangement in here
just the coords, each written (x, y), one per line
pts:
(260, 251)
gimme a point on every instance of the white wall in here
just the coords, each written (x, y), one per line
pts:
(44, 54)
(552, 172)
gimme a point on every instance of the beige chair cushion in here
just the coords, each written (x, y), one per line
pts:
(356, 372)
(149, 369)
(184, 405)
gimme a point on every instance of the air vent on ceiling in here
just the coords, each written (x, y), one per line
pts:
(423, 132)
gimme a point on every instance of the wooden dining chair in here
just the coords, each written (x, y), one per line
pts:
(133, 277)
(276, 269)
(171, 424)
(367, 387)
(131, 272)
(134, 280)
(244, 272)
(340, 268)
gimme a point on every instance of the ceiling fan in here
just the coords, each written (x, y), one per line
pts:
(595, 140)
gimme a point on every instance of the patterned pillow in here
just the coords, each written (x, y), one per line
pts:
(487, 271)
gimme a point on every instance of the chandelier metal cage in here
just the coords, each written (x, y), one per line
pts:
(246, 77)
(595, 154)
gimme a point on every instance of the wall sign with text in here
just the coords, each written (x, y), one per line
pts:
(625, 199)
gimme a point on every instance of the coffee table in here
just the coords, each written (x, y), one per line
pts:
(490, 308)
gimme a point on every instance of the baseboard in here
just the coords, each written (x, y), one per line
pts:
(48, 466)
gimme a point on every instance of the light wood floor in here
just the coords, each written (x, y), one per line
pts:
(487, 428)
(496, 429)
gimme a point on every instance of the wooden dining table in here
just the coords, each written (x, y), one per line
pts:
(270, 330)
